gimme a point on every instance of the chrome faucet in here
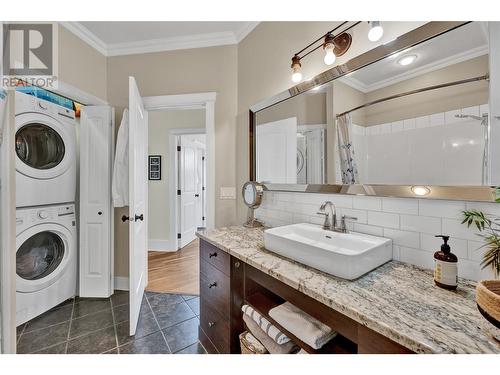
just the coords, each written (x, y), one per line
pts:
(331, 218)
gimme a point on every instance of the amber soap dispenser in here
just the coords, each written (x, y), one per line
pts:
(445, 266)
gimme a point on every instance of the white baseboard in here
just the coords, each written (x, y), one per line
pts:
(161, 245)
(121, 283)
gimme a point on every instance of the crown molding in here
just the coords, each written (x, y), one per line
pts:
(246, 29)
(439, 64)
(159, 45)
(86, 35)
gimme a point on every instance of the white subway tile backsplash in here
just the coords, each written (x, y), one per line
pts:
(476, 250)
(421, 224)
(383, 219)
(430, 242)
(403, 238)
(417, 257)
(360, 215)
(410, 223)
(397, 205)
(435, 208)
(368, 229)
(455, 228)
(367, 203)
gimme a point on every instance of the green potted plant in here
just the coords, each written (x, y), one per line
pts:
(489, 228)
(488, 291)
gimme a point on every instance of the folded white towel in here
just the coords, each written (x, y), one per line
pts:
(304, 326)
(266, 325)
(272, 346)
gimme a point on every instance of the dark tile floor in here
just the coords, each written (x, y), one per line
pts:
(168, 323)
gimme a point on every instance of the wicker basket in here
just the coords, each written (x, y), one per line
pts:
(250, 345)
(488, 303)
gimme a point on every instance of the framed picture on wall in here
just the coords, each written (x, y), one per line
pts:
(154, 167)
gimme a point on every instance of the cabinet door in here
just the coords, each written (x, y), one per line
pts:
(96, 156)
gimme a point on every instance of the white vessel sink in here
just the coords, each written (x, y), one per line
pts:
(345, 255)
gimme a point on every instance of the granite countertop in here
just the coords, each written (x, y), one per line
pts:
(397, 300)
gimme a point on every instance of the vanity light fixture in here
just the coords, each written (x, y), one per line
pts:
(420, 190)
(407, 60)
(376, 31)
(334, 43)
(329, 47)
(296, 69)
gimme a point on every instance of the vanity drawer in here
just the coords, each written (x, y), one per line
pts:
(216, 257)
(215, 326)
(215, 288)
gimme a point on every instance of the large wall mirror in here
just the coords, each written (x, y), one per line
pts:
(415, 120)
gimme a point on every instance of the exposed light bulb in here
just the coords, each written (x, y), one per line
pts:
(297, 76)
(329, 54)
(376, 31)
(296, 73)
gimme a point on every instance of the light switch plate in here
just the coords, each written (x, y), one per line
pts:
(228, 192)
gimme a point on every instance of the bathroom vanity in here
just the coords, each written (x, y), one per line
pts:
(395, 308)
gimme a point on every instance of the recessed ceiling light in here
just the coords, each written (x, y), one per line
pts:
(407, 60)
(420, 190)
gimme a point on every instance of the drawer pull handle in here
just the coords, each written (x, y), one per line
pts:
(211, 324)
(210, 286)
(212, 255)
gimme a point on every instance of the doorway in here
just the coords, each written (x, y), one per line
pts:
(179, 203)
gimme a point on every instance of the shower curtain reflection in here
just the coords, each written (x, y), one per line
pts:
(346, 150)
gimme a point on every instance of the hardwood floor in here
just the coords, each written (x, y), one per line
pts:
(176, 272)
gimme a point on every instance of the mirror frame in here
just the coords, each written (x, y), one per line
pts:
(419, 35)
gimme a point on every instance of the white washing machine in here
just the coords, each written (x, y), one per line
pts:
(46, 152)
(46, 259)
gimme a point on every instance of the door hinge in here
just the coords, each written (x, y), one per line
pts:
(203, 218)
(203, 188)
(203, 158)
(178, 236)
(179, 148)
(178, 192)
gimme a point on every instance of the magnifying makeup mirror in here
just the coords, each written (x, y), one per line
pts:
(252, 196)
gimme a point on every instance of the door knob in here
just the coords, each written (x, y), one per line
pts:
(139, 217)
(99, 213)
(197, 195)
(125, 218)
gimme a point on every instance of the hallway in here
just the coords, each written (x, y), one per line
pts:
(175, 272)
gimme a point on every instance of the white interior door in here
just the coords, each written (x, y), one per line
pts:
(200, 185)
(96, 213)
(277, 151)
(188, 185)
(138, 201)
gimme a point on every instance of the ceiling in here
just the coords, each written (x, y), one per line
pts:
(462, 44)
(125, 38)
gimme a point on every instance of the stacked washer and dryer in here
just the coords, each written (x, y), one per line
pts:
(46, 236)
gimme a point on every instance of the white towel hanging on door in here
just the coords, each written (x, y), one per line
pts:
(120, 169)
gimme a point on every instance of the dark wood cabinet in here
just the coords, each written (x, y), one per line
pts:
(226, 283)
(221, 298)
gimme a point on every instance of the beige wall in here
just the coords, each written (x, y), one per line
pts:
(182, 72)
(81, 65)
(310, 109)
(264, 58)
(160, 123)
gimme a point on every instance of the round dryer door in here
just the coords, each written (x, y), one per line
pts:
(44, 146)
(43, 252)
